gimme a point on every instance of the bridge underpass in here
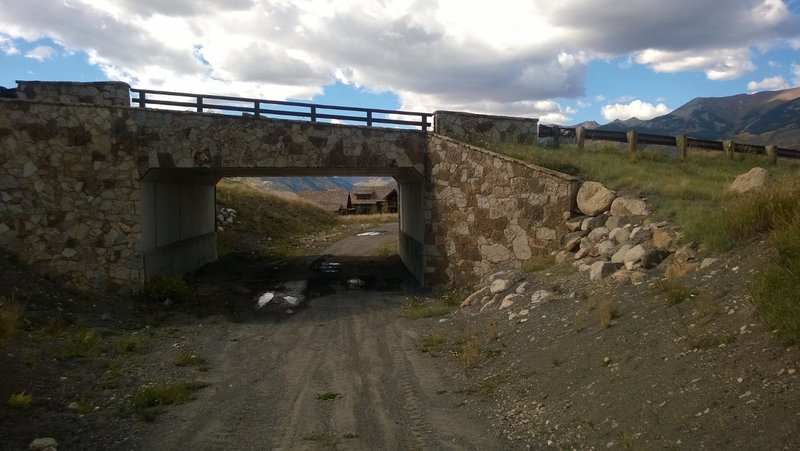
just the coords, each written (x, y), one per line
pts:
(179, 230)
(102, 196)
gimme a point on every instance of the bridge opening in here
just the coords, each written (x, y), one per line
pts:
(188, 225)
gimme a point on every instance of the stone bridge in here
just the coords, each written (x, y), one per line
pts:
(102, 196)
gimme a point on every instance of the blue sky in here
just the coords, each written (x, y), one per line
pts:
(564, 62)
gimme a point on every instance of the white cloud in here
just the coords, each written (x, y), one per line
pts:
(636, 108)
(768, 84)
(505, 56)
(717, 64)
(41, 53)
(796, 74)
(7, 46)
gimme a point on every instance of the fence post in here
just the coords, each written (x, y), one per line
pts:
(632, 137)
(580, 136)
(681, 144)
(727, 145)
(556, 136)
(772, 154)
(199, 104)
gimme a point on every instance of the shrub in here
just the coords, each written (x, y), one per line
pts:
(161, 288)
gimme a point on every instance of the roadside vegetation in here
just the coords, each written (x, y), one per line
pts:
(693, 194)
(281, 225)
(271, 223)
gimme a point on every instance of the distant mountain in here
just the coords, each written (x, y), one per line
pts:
(297, 184)
(769, 117)
(589, 125)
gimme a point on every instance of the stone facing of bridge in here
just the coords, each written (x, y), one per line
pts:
(76, 158)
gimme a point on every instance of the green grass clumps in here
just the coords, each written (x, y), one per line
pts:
(431, 344)
(190, 359)
(19, 400)
(746, 216)
(161, 288)
(328, 396)
(80, 343)
(161, 394)
(776, 290)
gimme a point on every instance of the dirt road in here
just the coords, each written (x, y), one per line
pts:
(344, 372)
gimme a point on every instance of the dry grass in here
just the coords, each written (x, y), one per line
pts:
(606, 312)
(270, 223)
(538, 262)
(674, 291)
(378, 218)
(471, 351)
(10, 317)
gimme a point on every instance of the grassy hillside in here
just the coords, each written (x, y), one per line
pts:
(694, 195)
(268, 223)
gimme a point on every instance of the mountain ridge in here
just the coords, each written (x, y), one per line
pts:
(766, 117)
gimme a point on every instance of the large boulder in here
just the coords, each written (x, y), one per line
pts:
(752, 180)
(594, 198)
(629, 206)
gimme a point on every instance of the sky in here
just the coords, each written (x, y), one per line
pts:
(562, 61)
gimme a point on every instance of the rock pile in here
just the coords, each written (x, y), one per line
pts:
(615, 236)
(508, 292)
(225, 217)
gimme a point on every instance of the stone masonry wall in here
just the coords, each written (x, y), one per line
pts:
(485, 210)
(69, 194)
(480, 129)
(107, 93)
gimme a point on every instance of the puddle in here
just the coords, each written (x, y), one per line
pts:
(370, 233)
(291, 293)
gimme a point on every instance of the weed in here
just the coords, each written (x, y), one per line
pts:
(328, 396)
(431, 344)
(471, 351)
(110, 377)
(674, 291)
(85, 405)
(19, 400)
(10, 317)
(538, 262)
(388, 249)
(161, 394)
(349, 435)
(80, 342)
(188, 359)
(555, 362)
(130, 345)
(414, 308)
(162, 287)
(606, 312)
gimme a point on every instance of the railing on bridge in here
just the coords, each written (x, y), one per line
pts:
(281, 109)
(682, 142)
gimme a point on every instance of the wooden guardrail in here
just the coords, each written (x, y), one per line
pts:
(145, 98)
(682, 142)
